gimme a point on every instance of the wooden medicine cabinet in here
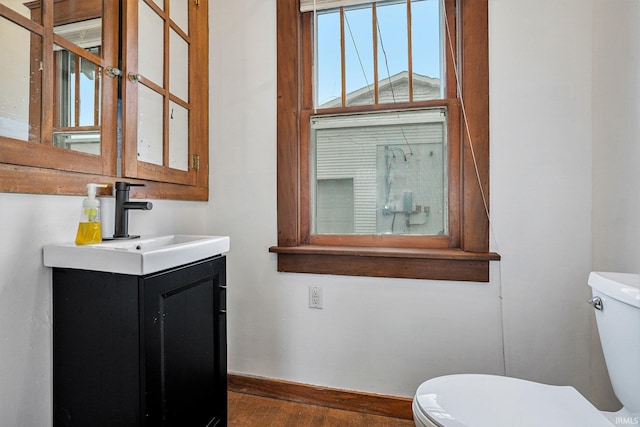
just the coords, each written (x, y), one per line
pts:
(101, 90)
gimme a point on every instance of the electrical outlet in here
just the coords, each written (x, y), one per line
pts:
(315, 296)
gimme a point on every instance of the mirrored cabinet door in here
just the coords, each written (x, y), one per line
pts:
(162, 92)
(58, 108)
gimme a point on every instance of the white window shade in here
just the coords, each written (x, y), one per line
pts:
(310, 5)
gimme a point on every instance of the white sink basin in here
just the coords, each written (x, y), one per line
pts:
(144, 255)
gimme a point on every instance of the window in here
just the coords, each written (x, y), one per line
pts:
(376, 175)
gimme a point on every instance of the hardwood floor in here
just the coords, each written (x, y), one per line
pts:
(246, 410)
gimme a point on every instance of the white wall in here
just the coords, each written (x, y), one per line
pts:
(616, 151)
(384, 335)
(616, 136)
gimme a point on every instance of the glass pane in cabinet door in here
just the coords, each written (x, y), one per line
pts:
(28, 9)
(151, 43)
(178, 137)
(19, 114)
(150, 124)
(77, 95)
(178, 66)
(180, 14)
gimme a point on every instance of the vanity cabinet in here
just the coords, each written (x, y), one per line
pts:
(140, 350)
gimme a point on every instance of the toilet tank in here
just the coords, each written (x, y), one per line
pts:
(618, 321)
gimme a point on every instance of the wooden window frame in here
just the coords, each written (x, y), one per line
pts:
(464, 255)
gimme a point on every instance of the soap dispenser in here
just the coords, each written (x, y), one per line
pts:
(89, 229)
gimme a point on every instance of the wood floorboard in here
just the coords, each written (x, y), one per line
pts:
(246, 410)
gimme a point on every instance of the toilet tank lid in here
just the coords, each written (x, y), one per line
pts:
(624, 287)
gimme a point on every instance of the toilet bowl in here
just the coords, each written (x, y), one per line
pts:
(469, 400)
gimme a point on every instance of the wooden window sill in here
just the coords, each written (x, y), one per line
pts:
(433, 264)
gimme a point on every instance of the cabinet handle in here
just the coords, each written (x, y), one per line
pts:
(133, 77)
(223, 311)
(112, 72)
(222, 287)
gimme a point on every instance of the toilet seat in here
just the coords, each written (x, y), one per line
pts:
(495, 401)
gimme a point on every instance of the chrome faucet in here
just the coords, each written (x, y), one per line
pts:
(123, 205)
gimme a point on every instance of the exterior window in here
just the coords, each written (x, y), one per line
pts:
(376, 172)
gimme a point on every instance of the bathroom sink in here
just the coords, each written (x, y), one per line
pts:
(144, 255)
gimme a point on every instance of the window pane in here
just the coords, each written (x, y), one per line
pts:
(20, 114)
(384, 172)
(393, 52)
(427, 50)
(329, 81)
(358, 47)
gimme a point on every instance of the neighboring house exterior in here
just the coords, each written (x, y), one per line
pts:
(393, 89)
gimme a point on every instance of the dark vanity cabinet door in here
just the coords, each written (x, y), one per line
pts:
(140, 350)
(184, 349)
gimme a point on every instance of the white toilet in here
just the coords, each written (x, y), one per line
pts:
(496, 401)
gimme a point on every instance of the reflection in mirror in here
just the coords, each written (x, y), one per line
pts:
(76, 20)
(85, 34)
(178, 137)
(20, 114)
(77, 102)
(151, 36)
(178, 66)
(31, 9)
(150, 125)
(180, 14)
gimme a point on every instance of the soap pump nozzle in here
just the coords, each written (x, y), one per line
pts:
(93, 188)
